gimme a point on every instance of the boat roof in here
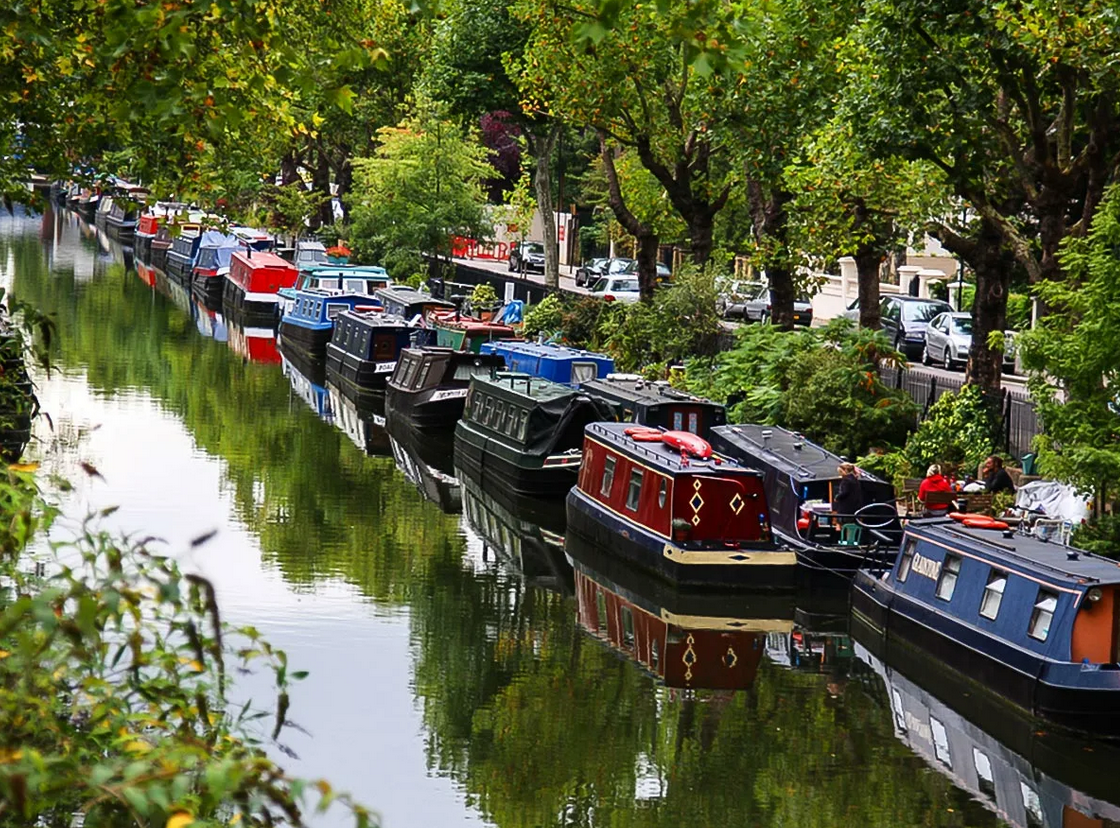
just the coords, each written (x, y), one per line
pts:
(544, 350)
(456, 355)
(249, 233)
(667, 457)
(635, 389)
(410, 296)
(1052, 557)
(514, 384)
(310, 244)
(325, 293)
(257, 259)
(216, 238)
(785, 450)
(375, 318)
(345, 270)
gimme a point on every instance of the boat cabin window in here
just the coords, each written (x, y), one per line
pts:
(409, 373)
(662, 493)
(334, 309)
(608, 476)
(425, 373)
(356, 285)
(634, 493)
(906, 559)
(488, 410)
(627, 627)
(686, 421)
(947, 582)
(601, 606)
(1043, 614)
(654, 654)
(465, 372)
(1033, 806)
(477, 403)
(984, 775)
(993, 594)
(940, 742)
(583, 371)
(523, 424)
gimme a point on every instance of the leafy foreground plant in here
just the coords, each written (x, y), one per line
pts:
(114, 680)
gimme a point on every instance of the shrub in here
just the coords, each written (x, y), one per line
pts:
(960, 430)
(546, 317)
(1101, 535)
(892, 466)
(484, 296)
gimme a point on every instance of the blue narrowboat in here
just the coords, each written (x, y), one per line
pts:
(310, 322)
(364, 280)
(801, 479)
(555, 363)
(410, 303)
(211, 264)
(1035, 622)
(182, 253)
(364, 349)
(664, 502)
(657, 404)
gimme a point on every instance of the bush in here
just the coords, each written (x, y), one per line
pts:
(546, 317)
(892, 466)
(1101, 535)
(484, 296)
(960, 431)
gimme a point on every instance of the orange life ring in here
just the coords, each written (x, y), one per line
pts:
(960, 517)
(688, 443)
(984, 522)
(643, 434)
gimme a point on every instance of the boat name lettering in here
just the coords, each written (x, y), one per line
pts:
(384, 367)
(926, 567)
(379, 421)
(449, 394)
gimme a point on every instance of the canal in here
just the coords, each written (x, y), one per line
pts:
(460, 672)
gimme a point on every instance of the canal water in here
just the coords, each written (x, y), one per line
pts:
(460, 671)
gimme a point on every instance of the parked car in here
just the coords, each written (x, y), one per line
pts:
(663, 272)
(590, 271)
(527, 256)
(949, 339)
(616, 289)
(904, 319)
(750, 302)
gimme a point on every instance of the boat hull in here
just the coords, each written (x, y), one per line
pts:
(355, 375)
(208, 289)
(310, 341)
(259, 307)
(433, 409)
(839, 561)
(501, 465)
(1086, 700)
(718, 567)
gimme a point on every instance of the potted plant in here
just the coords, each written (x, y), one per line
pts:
(338, 254)
(484, 301)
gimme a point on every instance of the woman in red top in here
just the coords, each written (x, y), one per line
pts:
(935, 482)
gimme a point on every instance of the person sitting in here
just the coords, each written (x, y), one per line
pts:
(996, 478)
(847, 499)
(935, 482)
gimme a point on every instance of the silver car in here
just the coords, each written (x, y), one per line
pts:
(949, 340)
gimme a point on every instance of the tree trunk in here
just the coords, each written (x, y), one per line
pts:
(647, 240)
(542, 140)
(321, 183)
(868, 258)
(770, 222)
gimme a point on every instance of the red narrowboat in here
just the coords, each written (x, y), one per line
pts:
(664, 502)
(254, 344)
(252, 283)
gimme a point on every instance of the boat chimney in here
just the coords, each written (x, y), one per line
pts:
(1072, 555)
(766, 435)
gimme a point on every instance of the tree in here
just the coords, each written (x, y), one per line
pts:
(422, 186)
(1071, 357)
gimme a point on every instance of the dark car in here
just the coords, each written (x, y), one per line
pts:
(750, 302)
(663, 272)
(591, 271)
(904, 319)
(527, 256)
(607, 267)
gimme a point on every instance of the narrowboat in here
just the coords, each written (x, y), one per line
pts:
(364, 349)
(800, 479)
(120, 218)
(1026, 776)
(252, 239)
(410, 303)
(555, 363)
(523, 434)
(684, 641)
(208, 322)
(252, 281)
(465, 333)
(363, 280)
(86, 204)
(253, 343)
(655, 404)
(1035, 622)
(426, 462)
(429, 385)
(362, 419)
(309, 253)
(664, 502)
(309, 323)
(516, 542)
(211, 266)
(148, 227)
(314, 394)
(181, 255)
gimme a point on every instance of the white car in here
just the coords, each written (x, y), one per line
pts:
(616, 289)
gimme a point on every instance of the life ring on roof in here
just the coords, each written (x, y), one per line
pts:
(961, 517)
(984, 523)
(643, 434)
(688, 443)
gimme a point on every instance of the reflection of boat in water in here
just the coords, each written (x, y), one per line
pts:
(313, 393)
(362, 420)
(694, 639)
(434, 480)
(532, 551)
(1031, 779)
(254, 344)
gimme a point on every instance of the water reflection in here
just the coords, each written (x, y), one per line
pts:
(451, 680)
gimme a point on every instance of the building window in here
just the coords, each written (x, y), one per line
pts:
(947, 583)
(1043, 614)
(906, 559)
(608, 476)
(634, 493)
(662, 493)
(627, 628)
(993, 594)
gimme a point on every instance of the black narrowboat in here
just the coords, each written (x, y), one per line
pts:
(1033, 621)
(801, 478)
(361, 418)
(426, 460)
(655, 404)
(429, 385)
(523, 435)
(364, 349)
(664, 502)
